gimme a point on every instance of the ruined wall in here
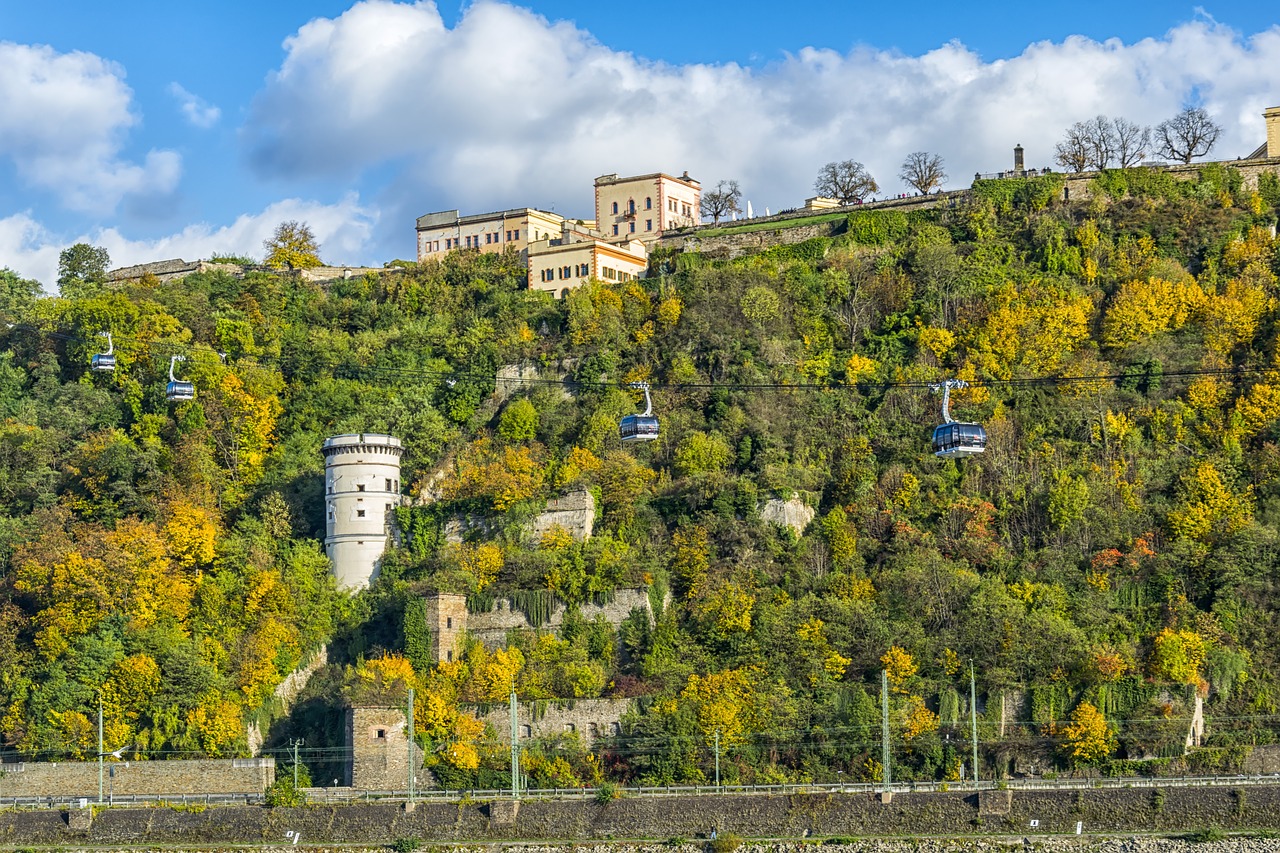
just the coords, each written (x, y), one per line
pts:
(72, 779)
(491, 628)
(590, 719)
(575, 512)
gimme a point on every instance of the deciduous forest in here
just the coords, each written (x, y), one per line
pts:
(1110, 557)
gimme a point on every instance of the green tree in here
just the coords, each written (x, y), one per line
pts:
(519, 421)
(292, 247)
(82, 269)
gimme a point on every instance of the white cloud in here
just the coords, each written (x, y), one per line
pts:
(508, 109)
(343, 230)
(197, 111)
(63, 123)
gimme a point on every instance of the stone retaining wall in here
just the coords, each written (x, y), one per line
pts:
(950, 814)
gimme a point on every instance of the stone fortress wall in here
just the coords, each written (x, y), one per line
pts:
(176, 268)
(71, 779)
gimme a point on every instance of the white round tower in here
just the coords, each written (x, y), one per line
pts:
(361, 488)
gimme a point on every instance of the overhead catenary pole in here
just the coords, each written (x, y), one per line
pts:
(101, 755)
(717, 759)
(515, 749)
(973, 721)
(296, 742)
(885, 773)
(411, 739)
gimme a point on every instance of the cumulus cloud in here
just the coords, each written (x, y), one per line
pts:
(343, 230)
(507, 108)
(64, 119)
(195, 109)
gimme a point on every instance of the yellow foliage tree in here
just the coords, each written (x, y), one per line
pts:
(217, 725)
(917, 719)
(1143, 308)
(726, 606)
(1030, 330)
(899, 666)
(503, 476)
(1208, 509)
(724, 702)
(190, 534)
(1089, 738)
(1177, 656)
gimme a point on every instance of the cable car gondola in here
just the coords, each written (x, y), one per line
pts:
(643, 427)
(104, 361)
(177, 390)
(954, 439)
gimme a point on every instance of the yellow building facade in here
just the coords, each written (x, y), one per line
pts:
(558, 266)
(446, 231)
(643, 206)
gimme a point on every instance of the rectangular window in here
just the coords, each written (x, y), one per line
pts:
(515, 234)
(564, 272)
(648, 225)
(360, 487)
(633, 227)
(448, 622)
(359, 513)
(387, 486)
(615, 230)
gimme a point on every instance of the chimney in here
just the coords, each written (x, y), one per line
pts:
(1273, 131)
(1017, 158)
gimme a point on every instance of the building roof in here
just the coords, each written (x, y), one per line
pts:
(451, 217)
(605, 180)
(1259, 154)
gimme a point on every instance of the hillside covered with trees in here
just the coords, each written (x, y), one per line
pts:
(1112, 554)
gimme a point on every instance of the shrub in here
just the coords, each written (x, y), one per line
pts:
(607, 792)
(725, 842)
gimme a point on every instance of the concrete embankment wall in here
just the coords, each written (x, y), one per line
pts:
(949, 814)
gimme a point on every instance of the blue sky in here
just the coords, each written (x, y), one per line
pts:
(162, 129)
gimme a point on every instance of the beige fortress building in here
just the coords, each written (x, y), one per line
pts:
(644, 206)
(446, 231)
(557, 266)
(361, 492)
(561, 253)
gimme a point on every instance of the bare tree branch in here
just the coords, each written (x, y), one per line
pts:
(923, 171)
(1132, 141)
(848, 181)
(1191, 133)
(1073, 151)
(725, 199)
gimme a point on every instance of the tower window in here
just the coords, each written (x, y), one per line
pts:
(448, 622)
(387, 487)
(449, 655)
(360, 487)
(380, 734)
(359, 513)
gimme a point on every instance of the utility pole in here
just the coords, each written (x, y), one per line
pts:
(885, 773)
(717, 759)
(101, 756)
(296, 742)
(515, 749)
(411, 739)
(973, 721)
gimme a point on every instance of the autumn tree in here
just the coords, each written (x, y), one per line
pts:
(721, 202)
(1089, 738)
(923, 171)
(293, 246)
(1189, 134)
(847, 181)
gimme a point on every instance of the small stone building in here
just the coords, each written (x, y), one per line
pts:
(378, 751)
(447, 623)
